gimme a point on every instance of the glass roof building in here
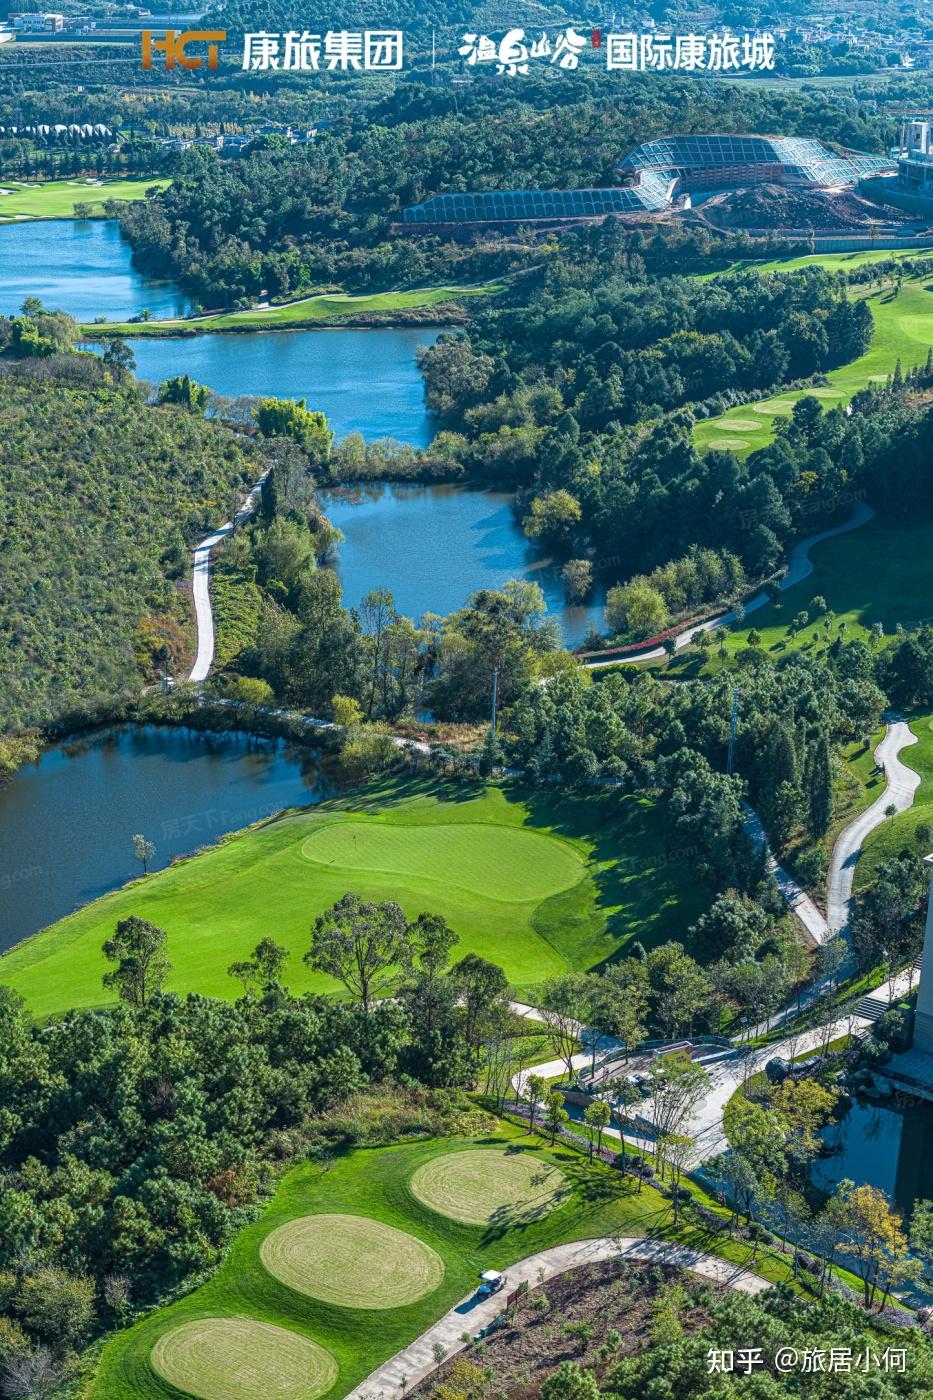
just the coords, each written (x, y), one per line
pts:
(655, 174)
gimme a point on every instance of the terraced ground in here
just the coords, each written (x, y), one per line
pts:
(246, 1333)
(903, 330)
(56, 199)
(537, 882)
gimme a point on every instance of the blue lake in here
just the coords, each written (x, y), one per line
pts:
(82, 267)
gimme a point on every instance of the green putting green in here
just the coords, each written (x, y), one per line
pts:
(510, 864)
(238, 1358)
(351, 1261)
(487, 1186)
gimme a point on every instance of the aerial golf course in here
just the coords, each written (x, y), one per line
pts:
(350, 1263)
(536, 881)
(903, 330)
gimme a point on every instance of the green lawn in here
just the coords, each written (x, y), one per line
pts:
(376, 1183)
(56, 199)
(881, 572)
(535, 881)
(903, 330)
(329, 307)
(899, 832)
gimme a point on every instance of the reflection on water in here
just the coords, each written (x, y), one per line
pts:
(885, 1145)
(365, 381)
(67, 821)
(433, 546)
(80, 267)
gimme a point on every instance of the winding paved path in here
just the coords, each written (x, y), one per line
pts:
(799, 567)
(471, 1315)
(201, 583)
(902, 784)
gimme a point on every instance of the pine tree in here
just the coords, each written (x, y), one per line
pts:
(819, 786)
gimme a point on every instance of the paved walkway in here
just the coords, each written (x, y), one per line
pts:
(201, 583)
(813, 922)
(470, 1315)
(799, 567)
(902, 784)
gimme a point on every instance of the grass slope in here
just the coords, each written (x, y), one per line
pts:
(376, 1182)
(489, 858)
(903, 330)
(881, 572)
(329, 307)
(56, 199)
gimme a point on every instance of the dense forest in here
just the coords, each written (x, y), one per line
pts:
(286, 220)
(104, 494)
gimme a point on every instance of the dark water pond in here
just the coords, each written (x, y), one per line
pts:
(889, 1146)
(435, 545)
(67, 822)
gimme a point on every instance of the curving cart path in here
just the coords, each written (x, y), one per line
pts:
(201, 583)
(468, 1317)
(799, 567)
(902, 784)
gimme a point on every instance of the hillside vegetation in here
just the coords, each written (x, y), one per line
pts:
(102, 497)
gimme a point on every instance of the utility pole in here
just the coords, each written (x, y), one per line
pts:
(495, 695)
(730, 761)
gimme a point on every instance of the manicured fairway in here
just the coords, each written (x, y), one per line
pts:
(486, 1187)
(903, 330)
(881, 572)
(56, 199)
(351, 1261)
(238, 1358)
(536, 881)
(329, 307)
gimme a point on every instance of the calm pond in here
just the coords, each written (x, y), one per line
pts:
(889, 1146)
(365, 381)
(80, 267)
(67, 821)
(433, 546)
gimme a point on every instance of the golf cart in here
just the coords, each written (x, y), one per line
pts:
(490, 1282)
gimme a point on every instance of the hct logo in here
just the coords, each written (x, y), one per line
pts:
(174, 45)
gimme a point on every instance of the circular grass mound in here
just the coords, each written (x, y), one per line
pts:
(496, 862)
(726, 444)
(742, 425)
(351, 1261)
(238, 1358)
(486, 1186)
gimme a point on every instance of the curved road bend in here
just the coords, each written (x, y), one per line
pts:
(416, 1361)
(201, 583)
(902, 784)
(799, 567)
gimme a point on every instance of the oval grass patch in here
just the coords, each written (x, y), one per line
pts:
(351, 1261)
(238, 1358)
(485, 1186)
(497, 862)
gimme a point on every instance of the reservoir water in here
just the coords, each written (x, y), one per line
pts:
(365, 381)
(82, 267)
(433, 546)
(67, 821)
